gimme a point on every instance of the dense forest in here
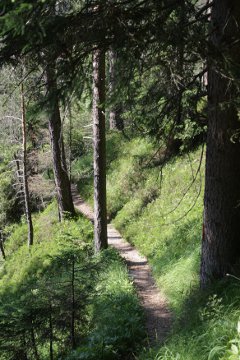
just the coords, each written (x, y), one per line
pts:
(119, 190)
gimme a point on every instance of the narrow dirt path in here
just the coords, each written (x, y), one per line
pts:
(157, 314)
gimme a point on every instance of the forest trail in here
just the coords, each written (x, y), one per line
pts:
(157, 315)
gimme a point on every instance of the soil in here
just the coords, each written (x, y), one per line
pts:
(157, 314)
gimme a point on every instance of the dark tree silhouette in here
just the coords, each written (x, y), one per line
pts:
(62, 182)
(220, 243)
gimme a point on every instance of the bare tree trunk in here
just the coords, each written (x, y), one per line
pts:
(25, 179)
(2, 246)
(115, 120)
(99, 145)
(63, 187)
(73, 306)
(18, 172)
(220, 243)
(70, 145)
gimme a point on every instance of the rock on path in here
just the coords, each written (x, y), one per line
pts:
(157, 314)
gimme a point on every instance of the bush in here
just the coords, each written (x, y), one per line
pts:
(59, 295)
(117, 320)
(45, 291)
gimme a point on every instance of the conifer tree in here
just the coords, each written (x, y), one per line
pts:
(115, 119)
(62, 182)
(220, 243)
(99, 145)
(24, 171)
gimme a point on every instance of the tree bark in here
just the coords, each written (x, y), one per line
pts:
(2, 246)
(115, 119)
(220, 243)
(62, 182)
(99, 145)
(70, 145)
(18, 172)
(25, 179)
(180, 62)
(72, 332)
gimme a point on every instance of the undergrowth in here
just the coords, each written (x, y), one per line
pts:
(159, 210)
(117, 320)
(60, 300)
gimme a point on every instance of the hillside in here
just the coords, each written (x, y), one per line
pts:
(159, 210)
(59, 300)
(119, 180)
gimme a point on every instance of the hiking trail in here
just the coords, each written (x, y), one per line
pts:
(158, 316)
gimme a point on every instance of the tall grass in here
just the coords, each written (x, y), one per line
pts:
(108, 317)
(159, 210)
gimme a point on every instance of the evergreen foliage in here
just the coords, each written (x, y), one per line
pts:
(58, 295)
(58, 299)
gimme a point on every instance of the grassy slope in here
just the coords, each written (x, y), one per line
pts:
(154, 214)
(161, 213)
(111, 317)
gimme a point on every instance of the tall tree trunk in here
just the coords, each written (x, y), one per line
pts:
(220, 243)
(70, 145)
(99, 145)
(115, 119)
(25, 179)
(72, 334)
(174, 144)
(63, 187)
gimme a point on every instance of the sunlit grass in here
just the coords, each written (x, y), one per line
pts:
(109, 318)
(160, 211)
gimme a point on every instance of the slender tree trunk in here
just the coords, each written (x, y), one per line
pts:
(2, 246)
(63, 187)
(99, 145)
(50, 333)
(115, 120)
(18, 172)
(73, 306)
(25, 179)
(35, 351)
(174, 144)
(180, 62)
(220, 243)
(70, 146)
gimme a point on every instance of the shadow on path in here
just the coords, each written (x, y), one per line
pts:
(158, 317)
